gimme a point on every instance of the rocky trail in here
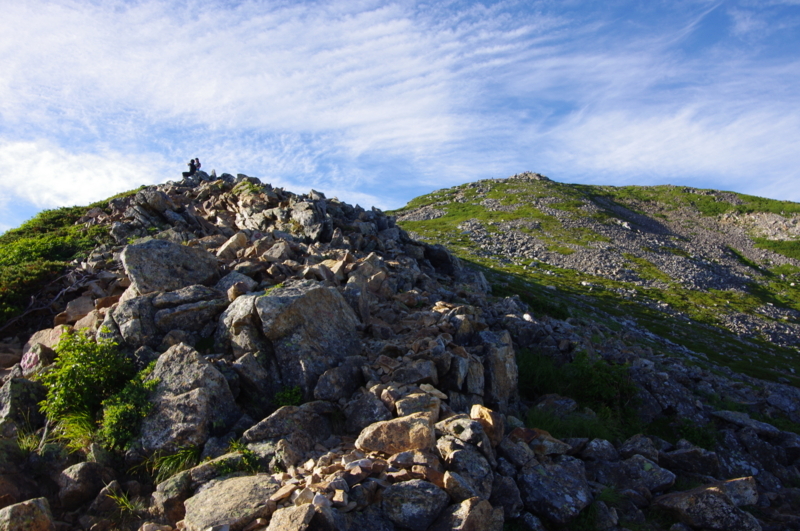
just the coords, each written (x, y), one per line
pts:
(322, 370)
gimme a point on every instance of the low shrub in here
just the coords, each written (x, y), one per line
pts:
(606, 389)
(289, 396)
(85, 373)
(123, 411)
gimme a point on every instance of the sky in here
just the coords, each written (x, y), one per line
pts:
(378, 102)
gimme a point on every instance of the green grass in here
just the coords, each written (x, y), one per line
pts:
(606, 389)
(788, 248)
(161, 465)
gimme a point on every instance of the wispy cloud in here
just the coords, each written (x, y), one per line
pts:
(377, 102)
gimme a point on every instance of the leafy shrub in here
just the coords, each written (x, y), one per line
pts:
(289, 396)
(85, 373)
(123, 411)
(607, 389)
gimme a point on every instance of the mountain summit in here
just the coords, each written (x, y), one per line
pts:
(507, 354)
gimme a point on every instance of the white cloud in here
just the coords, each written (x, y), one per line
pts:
(48, 176)
(379, 102)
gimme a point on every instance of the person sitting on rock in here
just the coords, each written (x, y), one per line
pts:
(197, 164)
(192, 169)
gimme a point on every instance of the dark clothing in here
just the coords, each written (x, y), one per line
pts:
(192, 170)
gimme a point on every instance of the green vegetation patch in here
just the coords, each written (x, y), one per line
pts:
(788, 248)
(38, 251)
(606, 389)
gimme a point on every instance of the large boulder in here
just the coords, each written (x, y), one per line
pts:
(192, 400)
(31, 515)
(500, 366)
(234, 502)
(311, 328)
(160, 265)
(556, 492)
(712, 507)
(414, 504)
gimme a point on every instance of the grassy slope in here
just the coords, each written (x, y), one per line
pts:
(34, 254)
(599, 297)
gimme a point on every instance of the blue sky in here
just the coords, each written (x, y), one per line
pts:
(377, 102)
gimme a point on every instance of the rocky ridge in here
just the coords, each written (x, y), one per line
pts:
(405, 367)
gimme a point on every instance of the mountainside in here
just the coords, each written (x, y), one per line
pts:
(717, 272)
(512, 354)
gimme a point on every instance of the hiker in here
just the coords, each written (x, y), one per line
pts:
(192, 169)
(197, 164)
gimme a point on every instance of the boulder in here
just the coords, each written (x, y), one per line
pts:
(303, 426)
(30, 515)
(37, 357)
(19, 402)
(414, 504)
(311, 329)
(192, 317)
(505, 494)
(492, 422)
(192, 400)
(187, 295)
(234, 502)
(78, 308)
(402, 434)
(743, 419)
(292, 518)
(228, 250)
(419, 403)
(694, 460)
(342, 381)
(160, 265)
(239, 329)
(557, 491)
(257, 384)
(135, 319)
(466, 460)
(49, 337)
(500, 367)
(707, 507)
(633, 473)
(81, 483)
(363, 411)
(168, 498)
(234, 277)
(641, 445)
(471, 514)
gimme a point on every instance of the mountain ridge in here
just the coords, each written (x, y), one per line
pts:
(715, 264)
(270, 360)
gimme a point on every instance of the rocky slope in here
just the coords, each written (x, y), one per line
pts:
(725, 267)
(312, 366)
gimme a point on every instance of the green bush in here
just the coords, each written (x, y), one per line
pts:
(85, 373)
(123, 411)
(606, 389)
(289, 396)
